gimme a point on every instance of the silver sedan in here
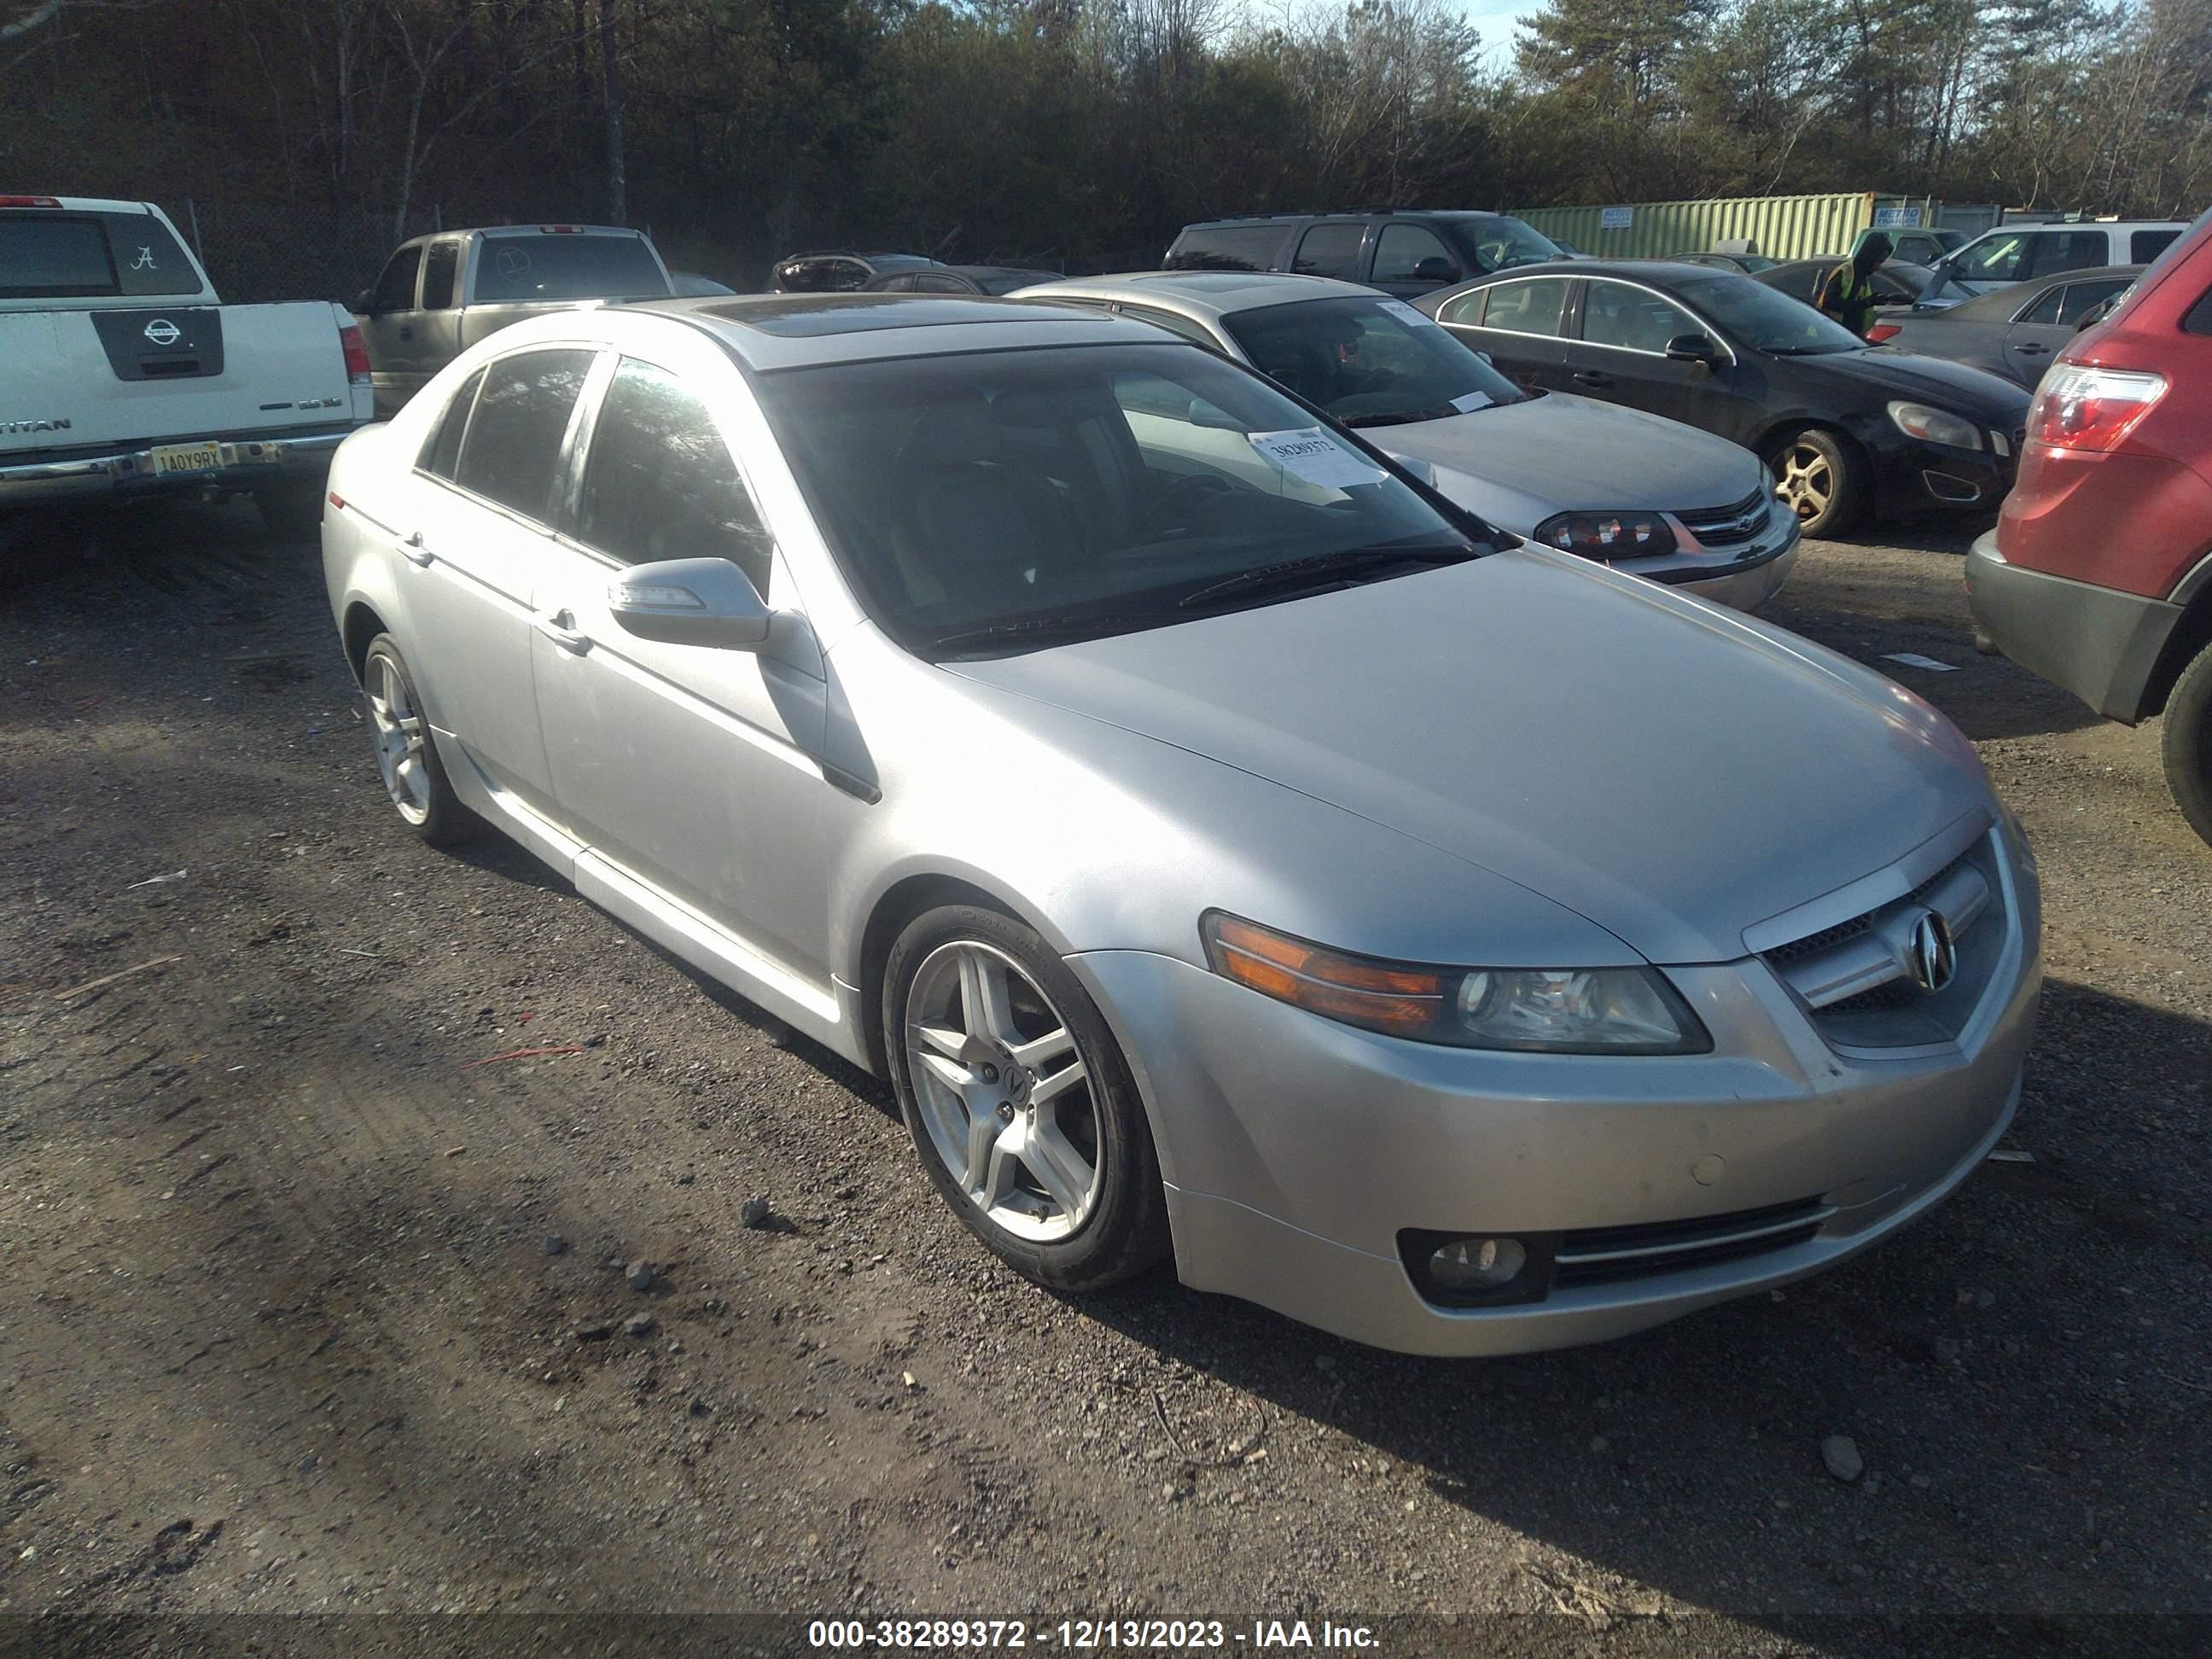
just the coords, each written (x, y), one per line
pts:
(1634, 490)
(1228, 850)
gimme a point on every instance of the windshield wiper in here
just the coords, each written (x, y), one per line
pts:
(1040, 630)
(1406, 419)
(1327, 566)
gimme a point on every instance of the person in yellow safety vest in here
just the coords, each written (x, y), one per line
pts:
(1847, 292)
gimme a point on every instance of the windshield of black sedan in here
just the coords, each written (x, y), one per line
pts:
(1763, 319)
(969, 492)
(1369, 361)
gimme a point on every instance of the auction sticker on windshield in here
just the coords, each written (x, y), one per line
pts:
(1317, 459)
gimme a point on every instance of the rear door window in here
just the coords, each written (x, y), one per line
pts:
(553, 266)
(1227, 247)
(443, 451)
(2069, 250)
(660, 483)
(1331, 250)
(395, 289)
(1534, 307)
(445, 258)
(512, 451)
(2145, 245)
(1466, 310)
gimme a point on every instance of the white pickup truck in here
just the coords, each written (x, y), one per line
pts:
(122, 376)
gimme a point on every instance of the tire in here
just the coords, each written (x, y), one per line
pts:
(406, 753)
(293, 511)
(1822, 477)
(993, 1093)
(2186, 742)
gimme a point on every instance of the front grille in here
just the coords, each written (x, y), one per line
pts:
(1852, 977)
(1606, 1255)
(1724, 526)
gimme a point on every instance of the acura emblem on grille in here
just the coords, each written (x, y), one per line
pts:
(162, 332)
(1934, 957)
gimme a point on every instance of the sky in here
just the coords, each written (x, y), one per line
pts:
(1495, 19)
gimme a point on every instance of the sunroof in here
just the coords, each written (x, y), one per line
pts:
(797, 315)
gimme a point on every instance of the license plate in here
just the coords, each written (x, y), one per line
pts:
(186, 458)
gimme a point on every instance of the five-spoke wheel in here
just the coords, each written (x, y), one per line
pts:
(1018, 1101)
(414, 776)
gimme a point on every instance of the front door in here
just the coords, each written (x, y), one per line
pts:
(1622, 357)
(2047, 327)
(690, 767)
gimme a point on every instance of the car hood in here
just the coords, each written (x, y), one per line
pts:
(1972, 392)
(1518, 464)
(1674, 772)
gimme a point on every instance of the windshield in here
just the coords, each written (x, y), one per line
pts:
(1369, 363)
(1498, 241)
(559, 265)
(1762, 319)
(1081, 488)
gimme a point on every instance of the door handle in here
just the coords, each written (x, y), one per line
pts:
(1583, 377)
(414, 551)
(405, 333)
(2031, 349)
(559, 626)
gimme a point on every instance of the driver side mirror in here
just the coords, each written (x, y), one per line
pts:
(1693, 349)
(704, 602)
(1436, 269)
(364, 303)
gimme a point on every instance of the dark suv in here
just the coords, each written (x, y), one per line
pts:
(1402, 253)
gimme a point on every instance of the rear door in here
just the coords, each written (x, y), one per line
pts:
(486, 488)
(692, 768)
(2042, 330)
(388, 329)
(1332, 247)
(1518, 324)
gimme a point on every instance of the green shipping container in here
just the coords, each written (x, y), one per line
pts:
(1779, 227)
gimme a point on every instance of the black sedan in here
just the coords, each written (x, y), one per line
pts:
(994, 280)
(2015, 330)
(1846, 429)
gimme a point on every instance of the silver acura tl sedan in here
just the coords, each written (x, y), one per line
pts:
(1625, 488)
(1226, 847)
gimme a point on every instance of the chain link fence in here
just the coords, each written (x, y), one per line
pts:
(257, 252)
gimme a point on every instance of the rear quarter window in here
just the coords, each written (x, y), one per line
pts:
(1227, 247)
(2145, 245)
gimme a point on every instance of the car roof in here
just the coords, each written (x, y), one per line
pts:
(1205, 292)
(545, 228)
(1349, 213)
(787, 331)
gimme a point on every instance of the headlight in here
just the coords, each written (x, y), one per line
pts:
(1583, 1010)
(1934, 426)
(1607, 535)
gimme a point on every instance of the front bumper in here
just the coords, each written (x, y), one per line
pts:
(1918, 477)
(1297, 1150)
(2099, 643)
(126, 470)
(1748, 584)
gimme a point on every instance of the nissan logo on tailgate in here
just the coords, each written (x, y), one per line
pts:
(163, 332)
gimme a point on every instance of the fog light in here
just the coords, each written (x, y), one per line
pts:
(1473, 1267)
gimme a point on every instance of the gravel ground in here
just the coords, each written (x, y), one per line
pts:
(285, 1330)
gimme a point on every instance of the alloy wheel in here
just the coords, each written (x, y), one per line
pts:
(1004, 1093)
(399, 739)
(1807, 481)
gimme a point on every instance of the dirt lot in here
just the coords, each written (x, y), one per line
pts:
(283, 1332)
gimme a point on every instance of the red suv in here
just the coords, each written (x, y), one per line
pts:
(2099, 574)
